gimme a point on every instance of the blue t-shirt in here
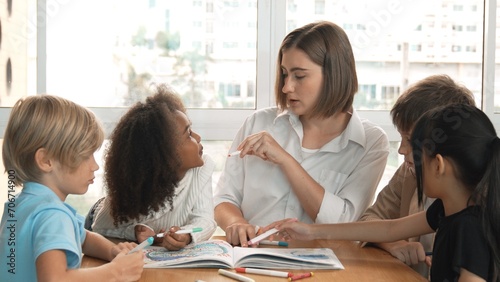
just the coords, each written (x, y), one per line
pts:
(33, 222)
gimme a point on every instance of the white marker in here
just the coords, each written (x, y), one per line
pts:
(235, 276)
(264, 272)
(182, 231)
(148, 242)
(186, 231)
(262, 236)
(235, 153)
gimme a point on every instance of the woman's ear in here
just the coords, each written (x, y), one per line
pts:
(43, 161)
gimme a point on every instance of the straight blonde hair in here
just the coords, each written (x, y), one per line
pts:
(67, 131)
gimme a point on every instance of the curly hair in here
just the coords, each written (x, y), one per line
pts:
(141, 161)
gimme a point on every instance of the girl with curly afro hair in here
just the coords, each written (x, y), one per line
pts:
(156, 176)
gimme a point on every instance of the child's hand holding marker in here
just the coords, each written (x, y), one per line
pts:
(145, 243)
(176, 238)
(182, 231)
(122, 247)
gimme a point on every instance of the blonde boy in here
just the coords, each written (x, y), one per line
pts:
(48, 150)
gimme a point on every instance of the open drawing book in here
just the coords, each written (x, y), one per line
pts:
(220, 254)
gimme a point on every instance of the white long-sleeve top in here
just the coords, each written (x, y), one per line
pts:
(349, 168)
(193, 207)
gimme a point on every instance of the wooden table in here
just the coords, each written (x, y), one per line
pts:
(361, 264)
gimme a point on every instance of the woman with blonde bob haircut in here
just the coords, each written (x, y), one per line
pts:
(48, 149)
(312, 156)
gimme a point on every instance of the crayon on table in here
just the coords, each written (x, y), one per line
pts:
(235, 276)
(264, 272)
(300, 276)
(142, 245)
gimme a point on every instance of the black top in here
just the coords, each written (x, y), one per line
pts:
(459, 243)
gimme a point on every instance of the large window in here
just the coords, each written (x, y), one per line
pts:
(397, 43)
(205, 49)
(220, 55)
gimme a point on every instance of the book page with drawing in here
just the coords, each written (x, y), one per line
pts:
(220, 254)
